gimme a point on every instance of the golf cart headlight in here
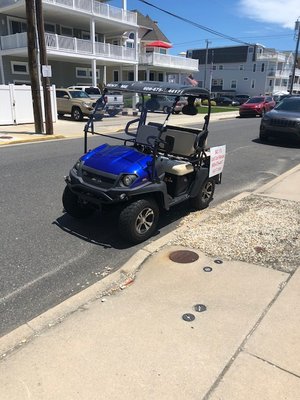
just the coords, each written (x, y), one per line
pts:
(78, 165)
(127, 180)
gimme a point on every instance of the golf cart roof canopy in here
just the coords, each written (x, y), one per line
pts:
(162, 88)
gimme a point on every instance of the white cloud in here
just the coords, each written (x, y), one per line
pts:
(281, 12)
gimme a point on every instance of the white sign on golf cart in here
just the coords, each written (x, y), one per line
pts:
(217, 159)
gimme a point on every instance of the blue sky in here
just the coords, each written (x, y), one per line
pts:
(268, 22)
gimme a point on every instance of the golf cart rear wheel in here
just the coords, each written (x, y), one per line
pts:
(138, 221)
(74, 206)
(205, 195)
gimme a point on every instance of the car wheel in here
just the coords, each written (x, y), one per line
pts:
(77, 114)
(60, 114)
(138, 221)
(263, 136)
(74, 207)
(205, 195)
(166, 110)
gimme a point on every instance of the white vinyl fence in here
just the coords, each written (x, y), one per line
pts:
(16, 104)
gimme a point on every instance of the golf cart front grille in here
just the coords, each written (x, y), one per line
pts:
(97, 180)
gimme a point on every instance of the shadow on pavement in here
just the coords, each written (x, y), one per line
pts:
(279, 142)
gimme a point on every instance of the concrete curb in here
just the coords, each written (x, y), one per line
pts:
(33, 139)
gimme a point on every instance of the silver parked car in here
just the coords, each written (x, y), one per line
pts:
(282, 121)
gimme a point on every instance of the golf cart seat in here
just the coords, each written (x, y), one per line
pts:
(185, 142)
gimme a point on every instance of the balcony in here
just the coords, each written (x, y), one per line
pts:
(90, 7)
(166, 60)
(69, 45)
(271, 56)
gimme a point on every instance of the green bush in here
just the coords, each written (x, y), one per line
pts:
(205, 103)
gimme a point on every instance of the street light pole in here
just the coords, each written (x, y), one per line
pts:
(206, 61)
(297, 29)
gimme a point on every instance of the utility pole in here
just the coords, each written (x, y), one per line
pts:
(297, 33)
(44, 62)
(33, 66)
(206, 61)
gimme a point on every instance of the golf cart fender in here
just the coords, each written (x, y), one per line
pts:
(157, 190)
(201, 176)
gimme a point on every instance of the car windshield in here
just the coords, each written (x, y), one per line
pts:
(92, 91)
(287, 104)
(255, 100)
(78, 94)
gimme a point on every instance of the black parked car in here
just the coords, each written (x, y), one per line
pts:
(282, 121)
(226, 101)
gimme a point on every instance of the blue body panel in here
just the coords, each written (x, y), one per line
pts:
(118, 160)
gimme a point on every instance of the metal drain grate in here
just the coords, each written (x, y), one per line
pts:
(183, 256)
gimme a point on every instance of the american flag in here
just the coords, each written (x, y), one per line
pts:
(190, 79)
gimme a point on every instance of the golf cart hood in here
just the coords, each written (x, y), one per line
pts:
(117, 159)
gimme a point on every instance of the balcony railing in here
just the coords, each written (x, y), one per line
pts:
(93, 7)
(166, 60)
(65, 44)
(98, 9)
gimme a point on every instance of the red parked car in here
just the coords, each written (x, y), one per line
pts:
(257, 106)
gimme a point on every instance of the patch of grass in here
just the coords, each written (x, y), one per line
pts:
(216, 109)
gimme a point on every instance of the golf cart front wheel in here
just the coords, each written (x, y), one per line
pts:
(74, 206)
(205, 195)
(138, 221)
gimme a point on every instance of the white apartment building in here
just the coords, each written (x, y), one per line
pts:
(246, 69)
(89, 42)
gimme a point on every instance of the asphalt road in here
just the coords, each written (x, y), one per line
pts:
(46, 256)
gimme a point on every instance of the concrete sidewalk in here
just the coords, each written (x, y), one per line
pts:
(198, 327)
(65, 128)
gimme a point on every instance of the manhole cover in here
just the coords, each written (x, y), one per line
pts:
(183, 256)
(188, 317)
(6, 137)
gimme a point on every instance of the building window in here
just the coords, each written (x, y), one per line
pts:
(66, 31)
(86, 72)
(252, 83)
(214, 67)
(18, 26)
(270, 82)
(116, 75)
(277, 82)
(241, 67)
(131, 36)
(250, 50)
(245, 79)
(130, 76)
(160, 77)
(233, 84)
(217, 82)
(49, 28)
(221, 67)
(151, 76)
(129, 45)
(116, 43)
(254, 67)
(262, 67)
(18, 67)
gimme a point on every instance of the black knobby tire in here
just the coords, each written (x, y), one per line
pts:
(74, 206)
(77, 114)
(138, 221)
(205, 195)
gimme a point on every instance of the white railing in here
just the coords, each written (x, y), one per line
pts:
(96, 8)
(166, 60)
(16, 41)
(66, 44)
(270, 55)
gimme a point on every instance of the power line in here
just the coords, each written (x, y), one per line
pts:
(205, 28)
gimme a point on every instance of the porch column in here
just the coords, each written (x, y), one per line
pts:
(94, 72)
(104, 74)
(135, 97)
(165, 77)
(92, 35)
(147, 74)
(2, 71)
